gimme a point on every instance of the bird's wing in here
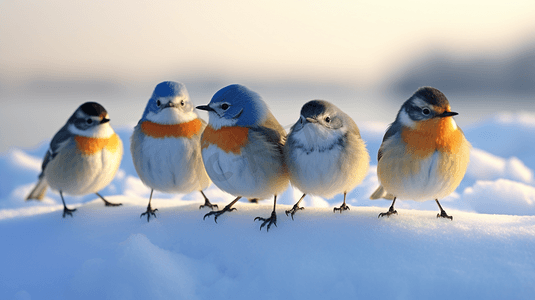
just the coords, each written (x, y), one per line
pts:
(393, 129)
(272, 130)
(62, 138)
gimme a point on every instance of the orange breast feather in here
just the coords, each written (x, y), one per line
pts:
(229, 139)
(187, 129)
(431, 135)
(88, 145)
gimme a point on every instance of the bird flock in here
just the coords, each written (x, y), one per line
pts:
(245, 151)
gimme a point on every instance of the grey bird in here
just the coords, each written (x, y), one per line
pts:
(325, 153)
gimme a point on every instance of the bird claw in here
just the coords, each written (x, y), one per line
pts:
(388, 213)
(294, 209)
(443, 214)
(219, 212)
(149, 212)
(208, 204)
(107, 203)
(341, 208)
(67, 211)
(268, 221)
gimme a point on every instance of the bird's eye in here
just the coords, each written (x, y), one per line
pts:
(225, 106)
(158, 103)
(89, 121)
(182, 103)
(327, 119)
(426, 111)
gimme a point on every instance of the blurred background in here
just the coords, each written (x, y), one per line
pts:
(367, 57)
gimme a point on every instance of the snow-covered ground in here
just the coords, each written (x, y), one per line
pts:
(487, 251)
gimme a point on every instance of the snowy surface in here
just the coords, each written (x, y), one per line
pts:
(487, 251)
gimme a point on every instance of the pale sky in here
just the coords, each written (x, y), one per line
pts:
(339, 46)
(345, 40)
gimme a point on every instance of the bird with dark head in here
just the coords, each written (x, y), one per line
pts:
(324, 153)
(83, 156)
(424, 154)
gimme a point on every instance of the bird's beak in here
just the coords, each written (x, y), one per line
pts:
(205, 107)
(311, 120)
(104, 120)
(448, 114)
(169, 104)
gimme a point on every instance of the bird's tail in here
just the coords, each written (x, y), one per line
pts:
(38, 192)
(380, 192)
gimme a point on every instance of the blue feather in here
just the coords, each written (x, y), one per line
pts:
(245, 105)
(163, 90)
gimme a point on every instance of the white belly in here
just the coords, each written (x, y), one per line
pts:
(75, 174)
(170, 164)
(426, 184)
(245, 175)
(317, 173)
(325, 165)
(437, 177)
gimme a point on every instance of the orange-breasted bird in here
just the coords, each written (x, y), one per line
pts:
(83, 157)
(242, 148)
(424, 154)
(166, 147)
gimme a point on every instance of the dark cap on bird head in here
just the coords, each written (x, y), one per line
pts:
(93, 109)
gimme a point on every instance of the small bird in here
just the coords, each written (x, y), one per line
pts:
(166, 147)
(83, 157)
(324, 153)
(424, 154)
(242, 148)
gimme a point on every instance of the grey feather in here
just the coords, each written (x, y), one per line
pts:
(393, 129)
(39, 191)
(59, 141)
(272, 130)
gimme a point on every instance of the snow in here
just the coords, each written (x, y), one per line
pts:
(506, 135)
(112, 253)
(484, 165)
(501, 197)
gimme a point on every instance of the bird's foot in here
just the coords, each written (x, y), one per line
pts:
(341, 208)
(149, 212)
(219, 212)
(208, 204)
(268, 221)
(391, 211)
(107, 203)
(443, 214)
(294, 209)
(68, 211)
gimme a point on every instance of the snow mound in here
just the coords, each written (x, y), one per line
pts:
(506, 135)
(501, 197)
(486, 166)
(110, 253)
